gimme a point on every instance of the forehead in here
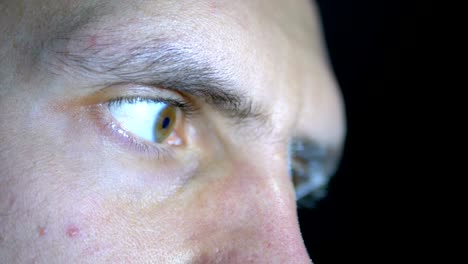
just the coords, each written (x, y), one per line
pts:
(263, 32)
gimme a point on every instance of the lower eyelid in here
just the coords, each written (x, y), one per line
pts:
(145, 169)
(113, 133)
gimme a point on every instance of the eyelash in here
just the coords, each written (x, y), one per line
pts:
(188, 108)
(148, 149)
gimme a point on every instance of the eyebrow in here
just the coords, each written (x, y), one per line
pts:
(158, 63)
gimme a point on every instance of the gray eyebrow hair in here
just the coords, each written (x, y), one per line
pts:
(157, 63)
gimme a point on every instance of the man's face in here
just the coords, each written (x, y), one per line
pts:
(158, 131)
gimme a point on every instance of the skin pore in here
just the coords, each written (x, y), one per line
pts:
(78, 187)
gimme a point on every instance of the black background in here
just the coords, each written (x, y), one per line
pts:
(362, 49)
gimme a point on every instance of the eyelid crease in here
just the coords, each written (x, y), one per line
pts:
(158, 63)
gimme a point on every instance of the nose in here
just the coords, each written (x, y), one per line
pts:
(253, 218)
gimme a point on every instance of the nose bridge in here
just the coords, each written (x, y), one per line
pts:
(279, 219)
(262, 206)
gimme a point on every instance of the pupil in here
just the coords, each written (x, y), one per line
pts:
(166, 122)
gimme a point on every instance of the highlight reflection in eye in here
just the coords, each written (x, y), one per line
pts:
(148, 119)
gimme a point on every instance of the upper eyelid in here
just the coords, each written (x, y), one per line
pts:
(187, 107)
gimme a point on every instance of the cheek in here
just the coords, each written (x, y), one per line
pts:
(123, 230)
(44, 222)
(90, 227)
(211, 211)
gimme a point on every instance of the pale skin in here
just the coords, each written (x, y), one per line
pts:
(218, 190)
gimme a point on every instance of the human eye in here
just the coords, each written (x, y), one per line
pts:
(149, 121)
(309, 171)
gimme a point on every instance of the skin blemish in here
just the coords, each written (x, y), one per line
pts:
(72, 231)
(92, 42)
(91, 250)
(213, 6)
(41, 231)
